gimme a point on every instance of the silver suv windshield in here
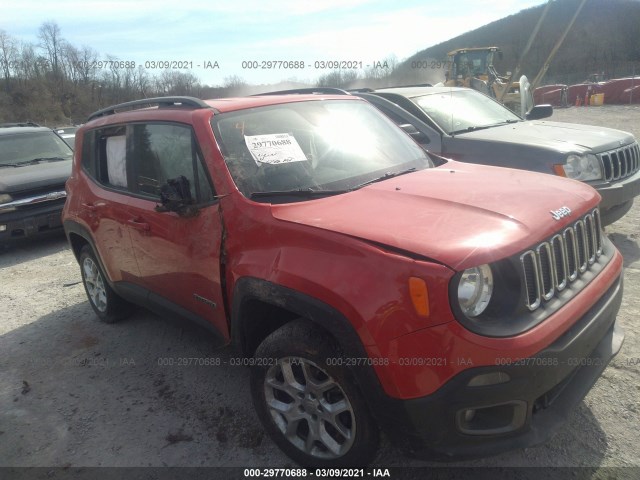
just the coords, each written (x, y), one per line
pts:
(458, 111)
(30, 148)
(313, 148)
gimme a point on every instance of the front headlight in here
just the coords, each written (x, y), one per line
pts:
(5, 198)
(583, 167)
(475, 289)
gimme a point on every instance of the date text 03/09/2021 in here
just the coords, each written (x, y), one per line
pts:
(318, 472)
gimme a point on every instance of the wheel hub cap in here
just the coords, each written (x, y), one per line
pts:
(95, 284)
(310, 408)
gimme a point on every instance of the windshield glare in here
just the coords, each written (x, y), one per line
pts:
(459, 110)
(23, 148)
(313, 145)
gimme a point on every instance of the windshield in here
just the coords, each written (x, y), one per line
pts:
(33, 147)
(473, 62)
(314, 146)
(458, 111)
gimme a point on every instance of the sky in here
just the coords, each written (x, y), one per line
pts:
(216, 40)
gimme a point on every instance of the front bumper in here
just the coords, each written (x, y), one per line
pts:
(525, 410)
(37, 220)
(617, 198)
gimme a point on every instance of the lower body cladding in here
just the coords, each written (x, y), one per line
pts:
(487, 410)
(30, 222)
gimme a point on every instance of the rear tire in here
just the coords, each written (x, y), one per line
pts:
(311, 408)
(106, 303)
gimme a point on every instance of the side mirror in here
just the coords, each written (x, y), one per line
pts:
(175, 196)
(416, 134)
(539, 111)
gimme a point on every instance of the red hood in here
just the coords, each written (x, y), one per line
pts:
(459, 214)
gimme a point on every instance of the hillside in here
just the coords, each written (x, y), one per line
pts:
(54, 82)
(605, 38)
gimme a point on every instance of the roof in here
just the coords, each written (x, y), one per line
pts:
(178, 106)
(10, 129)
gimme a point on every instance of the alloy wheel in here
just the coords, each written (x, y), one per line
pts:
(95, 284)
(309, 408)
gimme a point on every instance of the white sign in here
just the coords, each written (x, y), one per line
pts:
(116, 161)
(274, 149)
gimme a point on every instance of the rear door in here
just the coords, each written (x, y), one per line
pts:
(178, 257)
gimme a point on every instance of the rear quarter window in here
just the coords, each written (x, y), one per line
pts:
(104, 156)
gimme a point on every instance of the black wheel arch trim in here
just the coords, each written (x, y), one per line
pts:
(247, 289)
(75, 228)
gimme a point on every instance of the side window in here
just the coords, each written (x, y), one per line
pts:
(398, 120)
(89, 153)
(108, 146)
(394, 117)
(159, 152)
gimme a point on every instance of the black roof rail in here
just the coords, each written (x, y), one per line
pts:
(145, 102)
(321, 90)
(19, 124)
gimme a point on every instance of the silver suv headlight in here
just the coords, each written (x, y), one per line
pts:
(583, 167)
(475, 289)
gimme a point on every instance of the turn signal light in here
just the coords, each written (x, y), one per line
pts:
(419, 296)
(559, 170)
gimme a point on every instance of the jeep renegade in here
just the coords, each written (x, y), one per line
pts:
(462, 309)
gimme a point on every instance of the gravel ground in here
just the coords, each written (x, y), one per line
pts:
(77, 393)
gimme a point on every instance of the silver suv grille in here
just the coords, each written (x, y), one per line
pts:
(553, 265)
(621, 162)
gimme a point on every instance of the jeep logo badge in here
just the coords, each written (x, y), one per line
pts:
(561, 212)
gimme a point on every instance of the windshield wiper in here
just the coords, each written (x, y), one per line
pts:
(384, 177)
(46, 159)
(33, 161)
(303, 193)
(309, 193)
(474, 128)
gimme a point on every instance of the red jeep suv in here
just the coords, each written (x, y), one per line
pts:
(462, 309)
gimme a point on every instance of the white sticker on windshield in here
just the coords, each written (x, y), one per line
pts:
(274, 149)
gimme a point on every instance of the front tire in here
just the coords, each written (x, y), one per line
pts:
(311, 408)
(105, 302)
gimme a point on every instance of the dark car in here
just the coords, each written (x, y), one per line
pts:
(34, 165)
(468, 126)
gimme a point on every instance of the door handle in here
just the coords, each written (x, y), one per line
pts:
(90, 206)
(138, 225)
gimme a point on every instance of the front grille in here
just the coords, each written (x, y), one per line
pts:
(551, 266)
(35, 200)
(621, 162)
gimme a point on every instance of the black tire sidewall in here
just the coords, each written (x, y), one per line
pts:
(116, 307)
(303, 339)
